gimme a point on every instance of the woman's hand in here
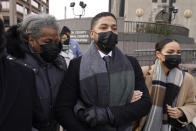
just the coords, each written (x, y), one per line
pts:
(174, 112)
(136, 96)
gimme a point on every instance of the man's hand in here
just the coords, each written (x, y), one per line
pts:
(90, 116)
(98, 116)
(136, 96)
(174, 112)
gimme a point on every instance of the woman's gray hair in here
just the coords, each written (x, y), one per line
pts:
(33, 24)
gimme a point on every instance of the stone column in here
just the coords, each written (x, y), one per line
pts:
(12, 12)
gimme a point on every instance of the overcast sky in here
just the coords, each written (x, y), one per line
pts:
(57, 8)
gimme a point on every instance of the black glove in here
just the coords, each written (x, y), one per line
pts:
(98, 116)
(79, 110)
(80, 115)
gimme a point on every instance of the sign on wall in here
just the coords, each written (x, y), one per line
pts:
(80, 36)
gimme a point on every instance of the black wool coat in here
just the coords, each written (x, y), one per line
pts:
(69, 93)
(19, 105)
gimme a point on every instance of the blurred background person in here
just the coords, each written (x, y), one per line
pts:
(35, 44)
(70, 48)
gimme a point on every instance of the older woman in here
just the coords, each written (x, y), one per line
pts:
(172, 90)
(35, 44)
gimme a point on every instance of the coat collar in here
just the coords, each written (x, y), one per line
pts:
(148, 71)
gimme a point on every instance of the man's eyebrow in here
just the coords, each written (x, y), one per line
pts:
(104, 24)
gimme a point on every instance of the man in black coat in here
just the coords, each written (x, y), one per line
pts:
(19, 104)
(98, 87)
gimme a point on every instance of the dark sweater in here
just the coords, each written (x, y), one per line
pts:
(70, 90)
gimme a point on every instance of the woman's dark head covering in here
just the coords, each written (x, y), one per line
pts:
(65, 30)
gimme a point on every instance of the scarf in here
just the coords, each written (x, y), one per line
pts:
(103, 89)
(164, 91)
(97, 88)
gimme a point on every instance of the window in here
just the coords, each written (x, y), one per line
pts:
(19, 8)
(34, 3)
(19, 20)
(122, 8)
(44, 1)
(6, 20)
(44, 9)
(154, 1)
(164, 1)
(25, 11)
(33, 13)
(5, 4)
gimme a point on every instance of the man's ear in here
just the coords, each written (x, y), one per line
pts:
(91, 33)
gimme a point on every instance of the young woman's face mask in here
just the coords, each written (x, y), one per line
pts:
(170, 55)
(172, 61)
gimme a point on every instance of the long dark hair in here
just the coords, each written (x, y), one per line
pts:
(160, 45)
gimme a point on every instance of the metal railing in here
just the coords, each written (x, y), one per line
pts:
(147, 57)
(155, 28)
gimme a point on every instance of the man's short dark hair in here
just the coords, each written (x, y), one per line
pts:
(100, 15)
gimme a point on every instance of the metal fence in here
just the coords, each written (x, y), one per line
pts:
(147, 57)
(155, 28)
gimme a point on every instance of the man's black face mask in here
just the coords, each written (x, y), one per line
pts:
(107, 41)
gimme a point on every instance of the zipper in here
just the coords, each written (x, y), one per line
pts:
(51, 94)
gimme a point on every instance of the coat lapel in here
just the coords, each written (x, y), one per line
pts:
(148, 74)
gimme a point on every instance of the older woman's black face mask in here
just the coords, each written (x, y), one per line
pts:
(49, 52)
(172, 61)
(107, 41)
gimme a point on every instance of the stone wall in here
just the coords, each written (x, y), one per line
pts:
(128, 42)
